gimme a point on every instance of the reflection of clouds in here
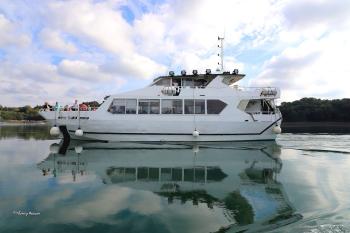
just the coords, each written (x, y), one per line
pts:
(50, 200)
(19, 151)
(189, 218)
(67, 178)
(120, 206)
(315, 180)
(103, 204)
(17, 186)
(305, 178)
(149, 204)
(106, 202)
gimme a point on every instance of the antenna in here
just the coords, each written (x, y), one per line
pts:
(221, 54)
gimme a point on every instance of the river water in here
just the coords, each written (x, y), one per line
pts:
(298, 184)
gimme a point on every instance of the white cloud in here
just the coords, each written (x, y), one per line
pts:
(82, 70)
(315, 68)
(97, 23)
(35, 83)
(53, 40)
(9, 35)
(88, 43)
(306, 14)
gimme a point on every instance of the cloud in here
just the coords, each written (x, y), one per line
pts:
(82, 70)
(306, 14)
(53, 40)
(9, 36)
(108, 46)
(96, 23)
(315, 68)
(34, 83)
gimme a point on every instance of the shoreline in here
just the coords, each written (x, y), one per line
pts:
(315, 124)
(316, 127)
(21, 122)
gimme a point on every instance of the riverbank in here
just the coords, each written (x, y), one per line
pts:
(316, 127)
(21, 122)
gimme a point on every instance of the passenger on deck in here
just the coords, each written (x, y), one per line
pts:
(75, 106)
(57, 107)
(47, 107)
(83, 107)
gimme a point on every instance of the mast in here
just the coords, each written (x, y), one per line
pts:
(221, 54)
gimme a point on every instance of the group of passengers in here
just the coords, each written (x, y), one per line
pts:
(74, 107)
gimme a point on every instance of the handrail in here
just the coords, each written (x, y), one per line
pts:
(69, 109)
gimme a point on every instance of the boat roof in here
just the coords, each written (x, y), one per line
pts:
(226, 75)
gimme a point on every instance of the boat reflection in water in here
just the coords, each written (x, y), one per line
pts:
(237, 180)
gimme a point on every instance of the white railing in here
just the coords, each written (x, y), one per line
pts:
(262, 91)
(67, 108)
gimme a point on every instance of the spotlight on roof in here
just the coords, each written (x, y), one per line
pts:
(208, 71)
(171, 73)
(195, 72)
(235, 71)
(183, 72)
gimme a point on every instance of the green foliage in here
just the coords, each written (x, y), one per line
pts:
(316, 110)
(22, 113)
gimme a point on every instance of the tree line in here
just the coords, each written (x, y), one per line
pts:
(25, 113)
(303, 110)
(316, 110)
(28, 113)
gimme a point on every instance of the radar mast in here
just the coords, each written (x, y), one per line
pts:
(221, 54)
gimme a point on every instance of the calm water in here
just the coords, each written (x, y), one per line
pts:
(299, 184)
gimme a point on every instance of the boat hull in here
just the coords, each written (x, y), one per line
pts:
(124, 137)
(160, 128)
(234, 133)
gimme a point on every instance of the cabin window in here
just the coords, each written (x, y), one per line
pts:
(163, 82)
(260, 106)
(176, 82)
(143, 107)
(154, 106)
(199, 106)
(215, 106)
(253, 107)
(194, 106)
(117, 106)
(149, 106)
(187, 82)
(130, 106)
(200, 82)
(122, 106)
(171, 106)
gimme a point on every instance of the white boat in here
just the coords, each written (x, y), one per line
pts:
(184, 107)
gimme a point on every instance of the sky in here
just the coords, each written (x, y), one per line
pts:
(87, 49)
